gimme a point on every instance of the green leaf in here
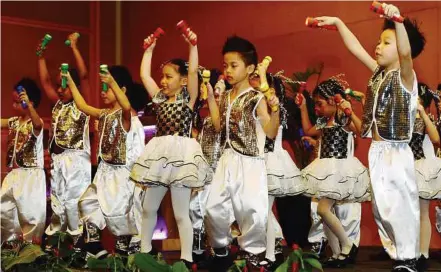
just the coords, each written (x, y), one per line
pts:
(27, 255)
(94, 263)
(283, 267)
(179, 267)
(131, 261)
(314, 263)
(147, 263)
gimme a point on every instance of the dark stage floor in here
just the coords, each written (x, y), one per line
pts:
(369, 259)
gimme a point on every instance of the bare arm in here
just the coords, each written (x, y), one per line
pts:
(430, 127)
(307, 126)
(82, 68)
(351, 42)
(46, 81)
(79, 100)
(214, 108)
(270, 121)
(355, 125)
(193, 82)
(35, 118)
(146, 69)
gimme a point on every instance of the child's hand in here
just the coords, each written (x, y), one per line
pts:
(209, 89)
(73, 38)
(152, 41)
(390, 10)
(96, 125)
(107, 78)
(219, 88)
(310, 140)
(67, 75)
(344, 104)
(41, 50)
(273, 101)
(190, 37)
(300, 101)
(24, 96)
(326, 20)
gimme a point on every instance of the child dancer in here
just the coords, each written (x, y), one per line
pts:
(240, 179)
(428, 169)
(284, 178)
(70, 150)
(109, 200)
(23, 198)
(390, 123)
(327, 180)
(171, 159)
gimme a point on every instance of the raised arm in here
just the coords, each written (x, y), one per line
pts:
(146, 68)
(193, 82)
(430, 127)
(214, 108)
(349, 39)
(307, 126)
(355, 125)
(37, 123)
(120, 97)
(82, 68)
(404, 49)
(46, 81)
(79, 100)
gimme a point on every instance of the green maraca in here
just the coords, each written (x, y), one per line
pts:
(104, 69)
(67, 42)
(351, 93)
(64, 69)
(46, 39)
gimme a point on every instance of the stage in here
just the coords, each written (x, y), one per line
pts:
(369, 259)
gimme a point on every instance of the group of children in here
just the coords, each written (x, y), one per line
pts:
(235, 167)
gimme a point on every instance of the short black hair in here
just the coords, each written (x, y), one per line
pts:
(182, 65)
(416, 37)
(32, 90)
(245, 48)
(136, 93)
(439, 87)
(425, 96)
(75, 76)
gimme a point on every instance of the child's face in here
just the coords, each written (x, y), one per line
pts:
(386, 52)
(16, 104)
(235, 70)
(171, 81)
(64, 95)
(323, 107)
(108, 96)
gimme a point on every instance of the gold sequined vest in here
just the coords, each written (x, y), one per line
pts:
(113, 138)
(22, 144)
(238, 122)
(68, 126)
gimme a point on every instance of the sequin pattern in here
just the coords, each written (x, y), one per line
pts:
(210, 143)
(416, 143)
(173, 118)
(113, 138)
(334, 143)
(238, 121)
(68, 126)
(21, 140)
(393, 113)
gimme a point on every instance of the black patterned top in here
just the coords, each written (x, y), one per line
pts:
(173, 118)
(416, 143)
(334, 142)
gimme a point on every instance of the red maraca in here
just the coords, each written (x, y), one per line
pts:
(313, 23)
(377, 7)
(338, 99)
(158, 33)
(183, 27)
